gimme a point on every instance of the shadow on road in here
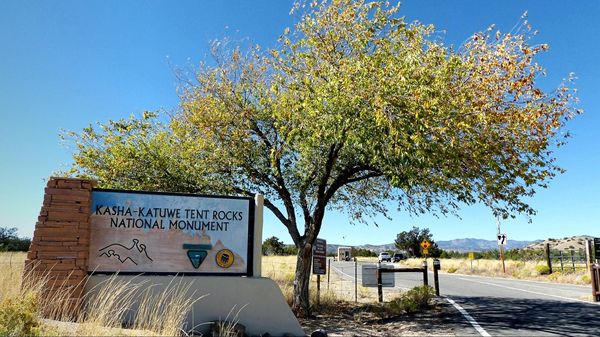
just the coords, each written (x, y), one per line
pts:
(512, 316)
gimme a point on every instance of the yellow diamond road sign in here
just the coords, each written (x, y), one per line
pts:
(425, 244)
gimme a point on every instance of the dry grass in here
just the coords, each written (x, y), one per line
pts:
(11, 276)
(281, 269)
(159, 313)
(514, 269)
(339, 288)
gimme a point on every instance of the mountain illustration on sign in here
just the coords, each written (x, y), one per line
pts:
(123, 253)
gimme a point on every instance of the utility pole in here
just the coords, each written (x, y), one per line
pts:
(500, 245)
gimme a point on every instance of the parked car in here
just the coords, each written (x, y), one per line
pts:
(399, 257)
(385, 257)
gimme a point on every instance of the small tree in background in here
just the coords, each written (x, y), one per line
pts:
(10, 241)
(410, 241)
(273, 246)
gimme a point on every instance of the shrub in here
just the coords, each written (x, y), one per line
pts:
(452, 270)
(542, 269)
(555, 275)
(415, 300)
(18, 316)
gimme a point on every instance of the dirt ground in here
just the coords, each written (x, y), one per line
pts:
(355, 320)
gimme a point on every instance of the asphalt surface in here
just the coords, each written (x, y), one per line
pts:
(506, 307)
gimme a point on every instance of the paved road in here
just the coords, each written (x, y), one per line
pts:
(500, 307)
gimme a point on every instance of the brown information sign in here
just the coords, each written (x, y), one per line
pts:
(319, 262)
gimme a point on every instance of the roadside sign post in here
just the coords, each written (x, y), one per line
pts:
(597, 249)
(355, 281)
(328, 272)
(502, 240)
(425, 280)
(425, 247)
(379, 285)
(471, 257)
(501, 243)
(436, 283)
(319, 263)
(318, 290)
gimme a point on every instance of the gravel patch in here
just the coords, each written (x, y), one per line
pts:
(356, 320)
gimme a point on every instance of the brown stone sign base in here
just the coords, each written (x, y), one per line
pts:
(60, 247)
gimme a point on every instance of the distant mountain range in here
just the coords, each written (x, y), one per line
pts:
(479, 245)
(461, 245)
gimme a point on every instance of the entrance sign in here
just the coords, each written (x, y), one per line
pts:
(163, 233)
(319, 262)
(597, 248)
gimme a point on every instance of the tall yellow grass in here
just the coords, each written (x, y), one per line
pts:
(107, 306)
(514, 269)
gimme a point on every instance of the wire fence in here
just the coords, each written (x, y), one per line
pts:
(343, 281)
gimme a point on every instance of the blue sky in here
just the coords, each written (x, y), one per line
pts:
(66, 64)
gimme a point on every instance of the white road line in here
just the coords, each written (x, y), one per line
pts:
(532, 292)
(469, 318)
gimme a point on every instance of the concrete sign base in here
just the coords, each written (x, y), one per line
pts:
(263, 307)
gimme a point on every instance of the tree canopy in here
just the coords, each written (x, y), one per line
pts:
(410, 241)
(10, 241)
(354, 108)
(273, 246)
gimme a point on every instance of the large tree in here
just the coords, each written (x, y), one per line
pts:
(410, 241)
(356, 107)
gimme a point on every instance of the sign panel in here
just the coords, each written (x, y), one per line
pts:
(597, 248)
(161, 233)
(502, 240)
(369, 276)
(471, 256)
(425, 244)
(319, 262)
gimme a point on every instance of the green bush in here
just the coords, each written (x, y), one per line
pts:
(452, 270)
(415, 300)
(542, 269)
(18, 316)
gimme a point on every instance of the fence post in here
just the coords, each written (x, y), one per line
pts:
(562, 269)
(425, 280)
(328, 271)
(588, 254)
(355, 281)
(573, 259)
(548, 259)
(595, 270)
(318, 290)
(436, 283)
(379, 284)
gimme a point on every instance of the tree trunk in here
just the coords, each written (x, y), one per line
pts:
(300, 302)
